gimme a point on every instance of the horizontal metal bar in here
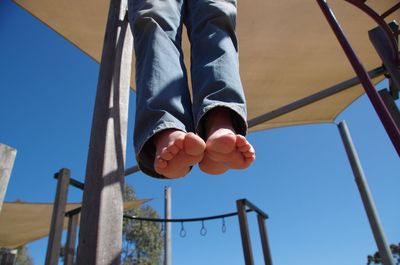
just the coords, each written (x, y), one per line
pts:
(131, 170)
(73, 182)
(73, 212)
(313, 98)
(182, 220)
(76, 184)
(80, 185)
(254, 208)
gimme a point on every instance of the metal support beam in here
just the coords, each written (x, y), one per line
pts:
(377, 102)
(244, 232)
(366, 196)
(57, 219)
(264, 239)
(71, 239)
(385, 52)
(167, 235)
(391, 105)
(242, 206)
(7, 157)
(100, 235)
(132, 170)
(79, 185)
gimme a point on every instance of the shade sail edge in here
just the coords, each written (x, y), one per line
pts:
(279, 63)
(25, 222)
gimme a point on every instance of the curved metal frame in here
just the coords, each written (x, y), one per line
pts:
(379, 19)
(391, 128)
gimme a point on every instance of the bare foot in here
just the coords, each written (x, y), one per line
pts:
(224, 148)
(176, 152)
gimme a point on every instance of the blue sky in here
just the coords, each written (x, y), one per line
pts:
(301, 176)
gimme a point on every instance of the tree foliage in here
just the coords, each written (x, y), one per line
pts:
(23, 257)
(376, 258)
(142, 241)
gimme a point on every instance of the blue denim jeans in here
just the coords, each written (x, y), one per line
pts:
(163, 100)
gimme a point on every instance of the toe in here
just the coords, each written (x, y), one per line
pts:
(241, 141)
(160, 163)
(194, 145)
(167, 156)
(173, 149)
(179, 143)
(248, 154)
(244, 148)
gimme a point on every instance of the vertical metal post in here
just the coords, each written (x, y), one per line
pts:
(7, 157)
(386, 53)
(244, 232)
(391, 105)
(57, 219)
(71, 238)
(167, 236)
(100, 235)
(264, 239)
(380, 108)
(366, 196)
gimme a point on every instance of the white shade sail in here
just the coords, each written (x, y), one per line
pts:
(287, 50)
(22, 222)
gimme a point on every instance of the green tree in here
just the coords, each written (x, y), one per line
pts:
(377, 260)
(142, 241)
(23, 257)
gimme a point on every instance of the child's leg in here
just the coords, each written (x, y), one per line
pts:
(218, 100)
(163, 105)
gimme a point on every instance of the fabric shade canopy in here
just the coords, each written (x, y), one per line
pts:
(21, 223)
(287, 50)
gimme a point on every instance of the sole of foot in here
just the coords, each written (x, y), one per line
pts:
(226, 150)
(177, 152)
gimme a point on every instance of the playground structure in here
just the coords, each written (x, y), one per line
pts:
(60, 213)
(114, 77)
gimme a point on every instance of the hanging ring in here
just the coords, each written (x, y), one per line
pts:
(182, 233)
(223, 226)
(203, 230)
(162, 229)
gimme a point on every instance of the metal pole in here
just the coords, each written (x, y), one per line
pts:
(71, 238)
(386, 53)
(391, 105)
(366, 196)
(100, 235)
(7, 157)
(264, 239)
(244, 232)
(377, 102)
(167, 235)
(57, 219)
